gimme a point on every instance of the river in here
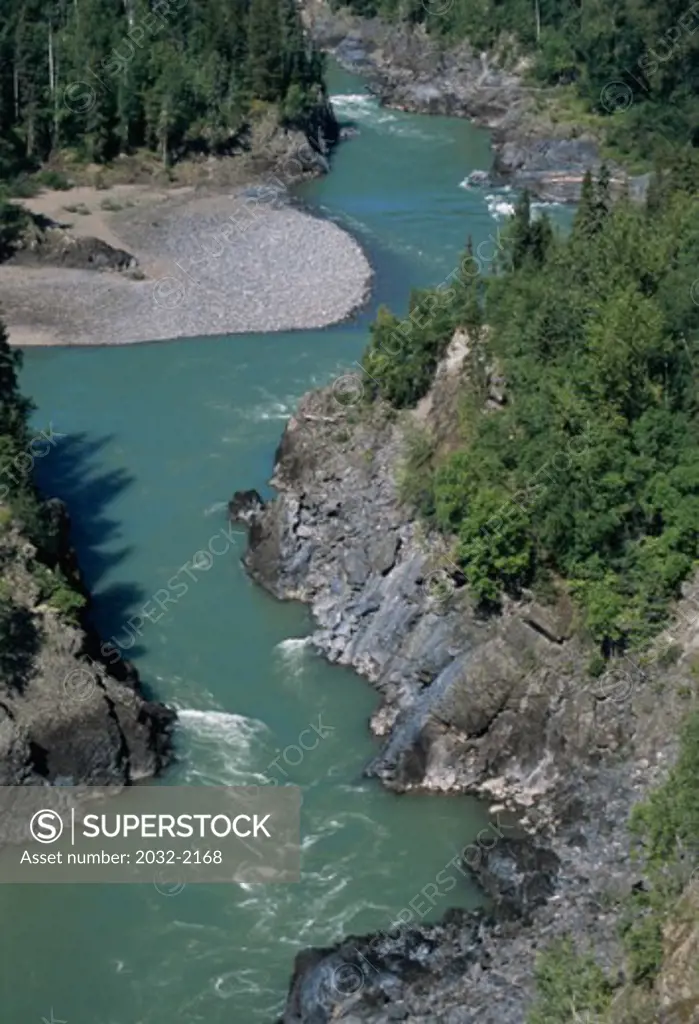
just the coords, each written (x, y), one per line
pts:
(159, 436)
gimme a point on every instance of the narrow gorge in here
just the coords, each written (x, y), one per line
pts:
(466, 804)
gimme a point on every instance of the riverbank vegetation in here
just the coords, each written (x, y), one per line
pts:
(633, 63)
(589, 470)
(658, 919)
(24, 513)
(100, 80)
(666, 826)
(574, 464)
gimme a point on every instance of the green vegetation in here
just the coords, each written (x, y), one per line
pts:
(402, 356)
(173, 77)
(633, 63)
(13, 220)
(20, 504)
(589, 472)
(57, 591)
(567, 984)
(667, 828)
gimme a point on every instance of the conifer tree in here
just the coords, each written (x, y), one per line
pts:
(265, 56)
(585, 216)
(104, 79)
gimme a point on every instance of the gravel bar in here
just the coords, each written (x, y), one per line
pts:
(214, 265)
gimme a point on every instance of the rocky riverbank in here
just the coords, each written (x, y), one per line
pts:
(65, 714)
(500, 707)
(411, 70)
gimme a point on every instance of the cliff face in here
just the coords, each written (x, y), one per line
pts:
(294, 151)
(388, 601)
(415, 71)
(64, 716)
(678, 984)
(500, 707)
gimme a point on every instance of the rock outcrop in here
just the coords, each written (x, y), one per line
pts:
(411, 70)
(389, 601)
(500, 707)
(43, 242)
(65, 715)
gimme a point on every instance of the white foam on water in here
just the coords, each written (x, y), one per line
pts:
(218, 506)
(248, 979)
(221, 725)
(362, 108)
(293, 644)
(224, 747)
(270, 411)
(353, 101)
(292, 652)
(499, 207)
(540, 206)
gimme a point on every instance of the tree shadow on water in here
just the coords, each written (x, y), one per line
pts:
(73, 470)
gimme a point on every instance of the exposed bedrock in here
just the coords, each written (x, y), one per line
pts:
(65, 715)
(409, 69)
(500, 707)
(494, 706)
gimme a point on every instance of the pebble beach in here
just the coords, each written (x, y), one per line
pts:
(210, 265)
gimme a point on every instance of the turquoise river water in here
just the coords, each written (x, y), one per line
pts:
(159, 437)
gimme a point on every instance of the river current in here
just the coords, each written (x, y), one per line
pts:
(158, 437)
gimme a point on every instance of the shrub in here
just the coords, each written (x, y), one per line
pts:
(67, 602)
(666, 825)
(596, 665)
(55, 590)
(568, 983)
(52, 179)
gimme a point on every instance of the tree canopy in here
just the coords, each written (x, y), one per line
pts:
(590, 470)
(104, 78)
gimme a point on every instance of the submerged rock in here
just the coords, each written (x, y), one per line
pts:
(452, 971)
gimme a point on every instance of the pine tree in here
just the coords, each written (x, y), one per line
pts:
(14, 407)
(102, 78)
(520, 231)
(265, 54)
(585, 217)
(603, 199)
